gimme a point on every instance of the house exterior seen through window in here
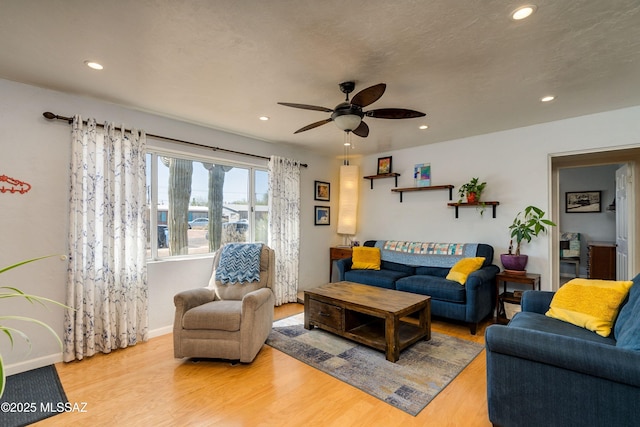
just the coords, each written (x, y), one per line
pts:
(197, 205)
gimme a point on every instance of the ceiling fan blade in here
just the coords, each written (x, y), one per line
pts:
(314, 125)
(369, 95)
(394, 113)
(362, 130)
(306, 107)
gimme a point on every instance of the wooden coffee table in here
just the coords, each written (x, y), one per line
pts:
(372, 316)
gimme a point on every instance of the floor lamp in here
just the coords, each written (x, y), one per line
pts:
(348, 205)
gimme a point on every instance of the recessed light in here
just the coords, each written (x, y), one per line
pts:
(94, 65)
(423, 127)
(547, 98)
(264, 118)
(347, 144)
(523, 12)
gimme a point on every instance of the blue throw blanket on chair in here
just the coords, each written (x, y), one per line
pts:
(239, 262)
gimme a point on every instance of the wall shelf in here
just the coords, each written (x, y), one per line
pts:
(382, 175)
(432, 187)
(476, 204)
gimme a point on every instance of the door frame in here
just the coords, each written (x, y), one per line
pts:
(586, 158)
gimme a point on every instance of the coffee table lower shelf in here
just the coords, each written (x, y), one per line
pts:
(373, 334)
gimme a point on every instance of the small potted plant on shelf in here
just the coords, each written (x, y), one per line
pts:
(472, 190)
(526, 226)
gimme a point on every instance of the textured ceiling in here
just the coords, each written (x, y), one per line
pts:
(224, 63)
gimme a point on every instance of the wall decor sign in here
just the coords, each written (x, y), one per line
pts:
(15, 185)
(322, 191)
(583, 201)
(321, 215)
(422, 175)
(384, 165)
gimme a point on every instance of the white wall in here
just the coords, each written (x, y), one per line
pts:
(514, 163)
(37, 151)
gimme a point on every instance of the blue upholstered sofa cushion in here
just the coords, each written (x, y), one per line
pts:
(436, 287)
(627, 326)
(380, 278)
(394, 266)
(541, 323)
(433, 271)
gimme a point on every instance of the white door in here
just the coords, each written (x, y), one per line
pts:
(623, 189)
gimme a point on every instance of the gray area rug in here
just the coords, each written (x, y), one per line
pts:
(32, 396)
(424, 369)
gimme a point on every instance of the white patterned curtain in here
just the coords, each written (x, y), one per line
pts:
(107, 274)
(284, 225)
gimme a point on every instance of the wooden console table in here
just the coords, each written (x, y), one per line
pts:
(335, 254)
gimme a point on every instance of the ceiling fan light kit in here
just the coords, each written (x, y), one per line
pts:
(348, 115)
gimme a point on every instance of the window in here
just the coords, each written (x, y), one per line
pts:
(197, 204)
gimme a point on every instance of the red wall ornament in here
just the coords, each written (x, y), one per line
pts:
(15, 185)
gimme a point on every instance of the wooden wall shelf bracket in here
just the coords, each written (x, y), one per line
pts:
(433, 187)
(382, 175)
(476, 204)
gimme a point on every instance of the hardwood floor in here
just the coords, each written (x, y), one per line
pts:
(145, 385)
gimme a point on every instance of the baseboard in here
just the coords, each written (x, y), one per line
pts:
(160, 331)
(28, 365)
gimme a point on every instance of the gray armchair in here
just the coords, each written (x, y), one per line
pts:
(226, 321)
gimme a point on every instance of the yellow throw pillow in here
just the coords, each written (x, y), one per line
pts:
(590, 304)
(463, 268)
(365, 258)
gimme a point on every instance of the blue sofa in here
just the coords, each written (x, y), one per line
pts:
(423, 271)
(545, 372)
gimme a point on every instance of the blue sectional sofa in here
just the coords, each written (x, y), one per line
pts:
(546, 372)
(421, 268)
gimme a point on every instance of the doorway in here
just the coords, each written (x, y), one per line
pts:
(568, 167)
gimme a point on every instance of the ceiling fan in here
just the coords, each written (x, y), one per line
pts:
(348, 114)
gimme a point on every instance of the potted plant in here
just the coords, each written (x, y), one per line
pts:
(472, 190)
(526, 225)
(8, 331)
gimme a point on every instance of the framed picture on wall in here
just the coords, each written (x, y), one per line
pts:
(322, 191)
(422, 175)
(583, 201)
(384, 165)
(322, 215)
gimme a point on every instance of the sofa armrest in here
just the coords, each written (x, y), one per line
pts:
(587, 357)
(536, 301)
(483, 277)
(343, 265)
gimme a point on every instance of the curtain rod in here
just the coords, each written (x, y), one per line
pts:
(51, 116)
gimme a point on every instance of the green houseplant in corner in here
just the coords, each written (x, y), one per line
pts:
(526, 225)
(11, 292)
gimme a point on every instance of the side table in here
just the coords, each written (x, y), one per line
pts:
(530, 279)
(337, 253)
